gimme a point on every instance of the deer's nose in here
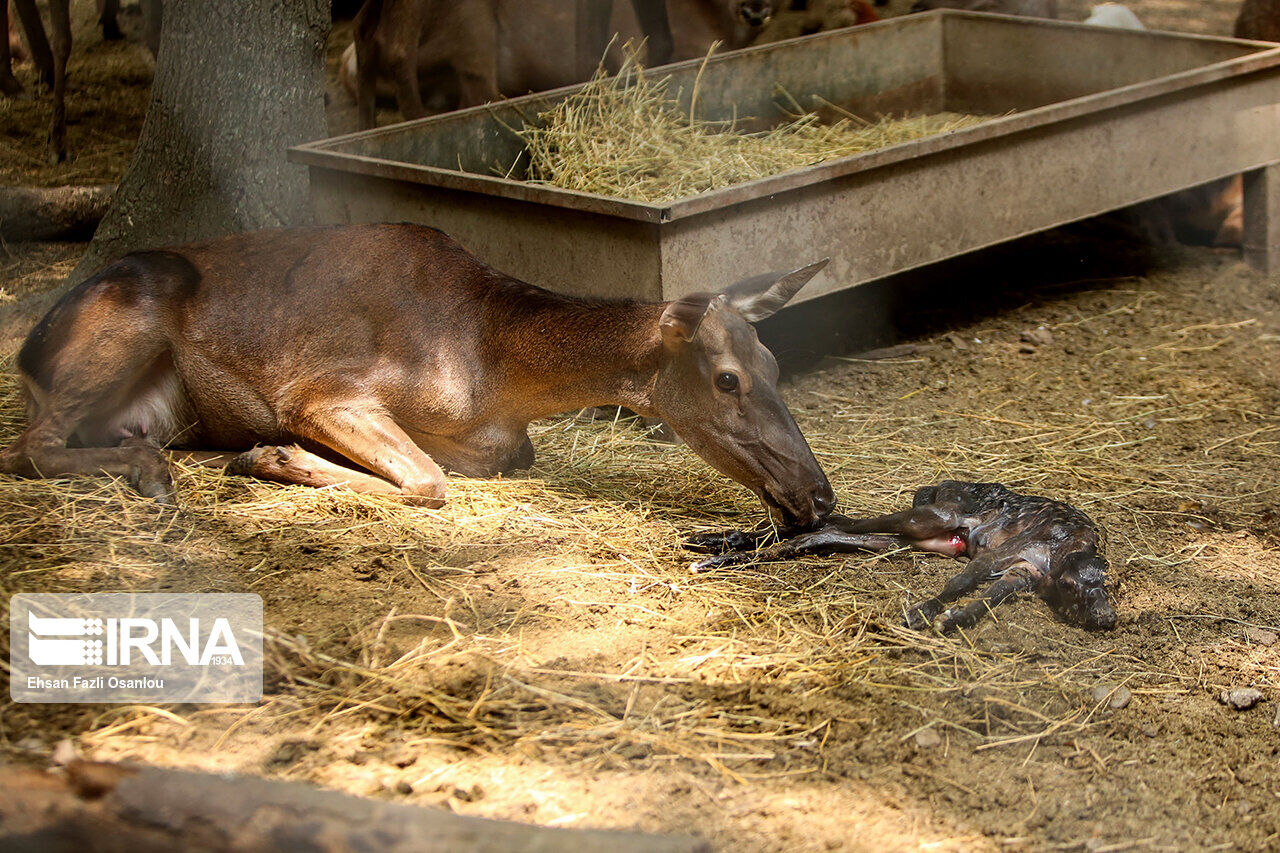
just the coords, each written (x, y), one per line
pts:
(756, 16)
(824, 501)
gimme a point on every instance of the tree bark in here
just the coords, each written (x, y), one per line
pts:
(236, 84)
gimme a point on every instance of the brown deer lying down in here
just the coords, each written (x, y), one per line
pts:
(1021, 543)
(391, 349)
(437, 55)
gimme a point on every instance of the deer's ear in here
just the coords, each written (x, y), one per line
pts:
(681, 318)
(761, 296)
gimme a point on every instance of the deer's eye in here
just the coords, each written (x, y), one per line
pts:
(727, 382)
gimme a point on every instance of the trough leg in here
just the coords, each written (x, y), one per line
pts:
(1262, 218)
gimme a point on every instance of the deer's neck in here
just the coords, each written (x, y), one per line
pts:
(561, 355)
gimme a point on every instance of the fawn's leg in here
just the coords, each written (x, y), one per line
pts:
(1011, 582)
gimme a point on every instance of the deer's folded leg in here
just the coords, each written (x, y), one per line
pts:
(142, 465)
(294, 466)
(363, 432)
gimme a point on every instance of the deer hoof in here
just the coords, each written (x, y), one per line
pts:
(246, 463)
(720, 542)
(920, 618)
(155, 485)
(11, 88)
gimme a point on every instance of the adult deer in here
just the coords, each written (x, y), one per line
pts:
(434, 55)
(391, 348)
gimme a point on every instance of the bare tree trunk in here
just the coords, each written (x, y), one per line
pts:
(236, 84)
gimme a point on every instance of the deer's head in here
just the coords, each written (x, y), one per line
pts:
(1079, 592)
(717, 388)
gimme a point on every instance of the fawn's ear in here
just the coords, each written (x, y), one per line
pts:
(681, 319)
(761, 296)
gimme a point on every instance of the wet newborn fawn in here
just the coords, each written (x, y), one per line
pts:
(1016, 542)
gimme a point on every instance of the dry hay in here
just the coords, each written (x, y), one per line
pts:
(626, 136)
(772, 672)
(619, 504)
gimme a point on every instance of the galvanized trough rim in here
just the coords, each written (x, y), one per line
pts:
(324, 153)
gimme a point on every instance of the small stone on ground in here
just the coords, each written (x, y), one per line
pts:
(1240, 698)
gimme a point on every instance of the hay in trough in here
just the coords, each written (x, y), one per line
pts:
(627, 136)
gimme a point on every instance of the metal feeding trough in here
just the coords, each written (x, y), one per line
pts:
(1100, 119)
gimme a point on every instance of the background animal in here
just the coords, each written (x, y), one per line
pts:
(51, 52)
(389, 349)
(435, 55)
(1114, 15)
(1212, 213)
(1258, 20)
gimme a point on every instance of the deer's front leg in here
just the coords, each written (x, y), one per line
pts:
(979, 570)
(365, 433)
(724, 541)
(1015, 580)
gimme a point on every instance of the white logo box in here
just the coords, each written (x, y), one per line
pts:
(135, 647)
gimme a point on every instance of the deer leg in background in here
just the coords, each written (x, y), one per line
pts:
(60, 25)
(368, 57)
(37, 42)
(591, 35)
(476, 63)
(109, 17)
(9, 85)
(652, 15)
(399, 30)
(152, 21)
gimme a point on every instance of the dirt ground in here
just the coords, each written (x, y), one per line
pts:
(538, 651)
